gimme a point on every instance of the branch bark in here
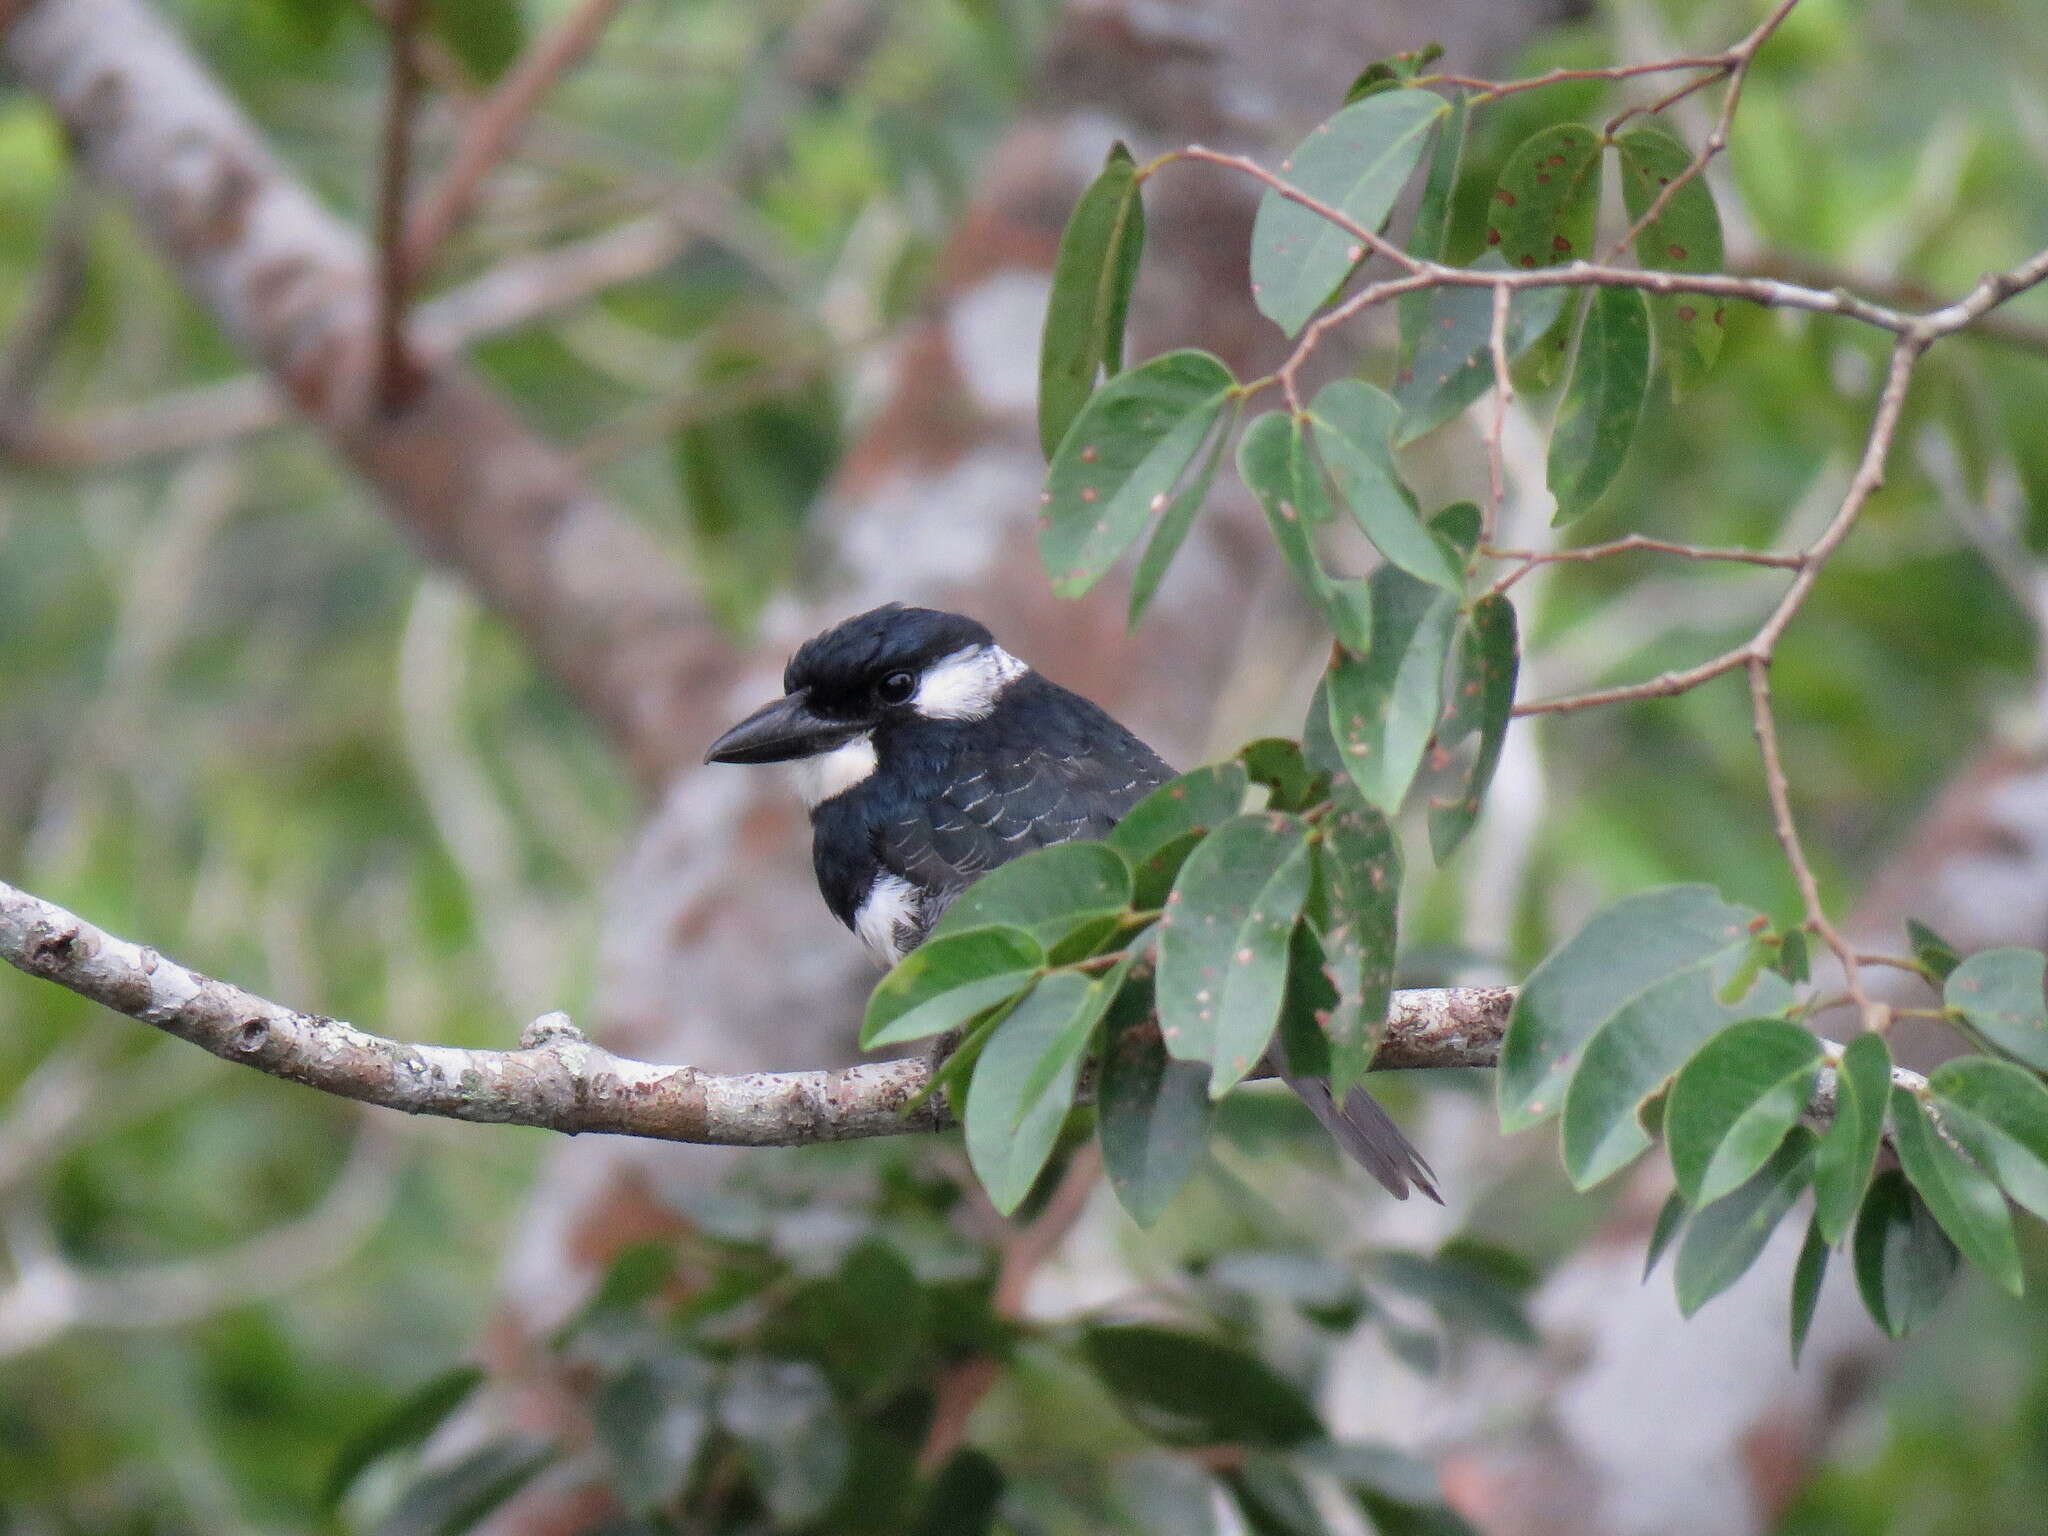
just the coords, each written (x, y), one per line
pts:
(601, 604)
(560, 1081)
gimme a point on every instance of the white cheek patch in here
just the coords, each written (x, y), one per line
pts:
(831, 773)
(966, 684)
(887, 920)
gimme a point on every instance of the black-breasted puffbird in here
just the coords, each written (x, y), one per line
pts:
(928, 755)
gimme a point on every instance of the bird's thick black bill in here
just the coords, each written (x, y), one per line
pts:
(779, 733)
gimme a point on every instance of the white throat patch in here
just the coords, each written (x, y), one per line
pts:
(966, 684)
(831, 773)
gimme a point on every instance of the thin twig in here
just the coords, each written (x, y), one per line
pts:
(1535, 559)
(1493, 90)
(494, 127)
(391, 376)
(1496, 429)
(1764, 722)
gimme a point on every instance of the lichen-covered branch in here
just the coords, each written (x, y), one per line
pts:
(560, 1081)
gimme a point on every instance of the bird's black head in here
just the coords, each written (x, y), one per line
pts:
(889, 663)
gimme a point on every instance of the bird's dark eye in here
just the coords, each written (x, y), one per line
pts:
(896, 688)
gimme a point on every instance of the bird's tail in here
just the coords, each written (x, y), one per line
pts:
(1368, 1133)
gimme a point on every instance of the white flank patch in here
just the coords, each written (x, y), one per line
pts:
(966, 684)
(831, 773)
(884, 920)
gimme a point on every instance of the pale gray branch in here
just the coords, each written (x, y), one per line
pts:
(559, 1080)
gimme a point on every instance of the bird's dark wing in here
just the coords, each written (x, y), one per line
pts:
(1003, 805)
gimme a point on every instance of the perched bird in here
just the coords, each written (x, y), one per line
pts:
(928, 755)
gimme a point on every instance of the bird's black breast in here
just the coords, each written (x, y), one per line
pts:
(949, 800)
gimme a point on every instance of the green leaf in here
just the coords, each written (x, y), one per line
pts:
(1302, 1047)
(1274, 462)
(1999, 1112)
(790, 1434)
(452, 1499)
(1466, 1296)
(1176, 521)
(1603, 400)
(1153, 1118)
(1199, 799)
(1273, 1498)
(1793, 962)
(1807, 1276)
(1189, 1389)
(1024, 1083)
(1999, 994)
(1223, 942)
(748, 476)
(1734, 1101)
(1158, 833)
(1385, 74)
(1255, 974)
(1120, 459)
(1453, 363)
(1545, 201)
(1636, 1052)
(1962, 1198)
(1384, 705)
(1104, 987)
(1431, 236)
(1686, 237)
(1358, 866)
(1356, 162)
(1848, 1148)
(963, 1499)
(1091, 294)
(1905, 1263)
(1353, 426)
(406, 1424)
(486, 35)
(1624, 951)
(1048, 892)
(943, 983)
(1932, 950)
(1460, 523)
(1482, 698)
(1277, 763)
(1723, 1239)
(652, 1420)
(1670, 1218)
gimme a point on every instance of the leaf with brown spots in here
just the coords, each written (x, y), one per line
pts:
(1482, 696)
(1223, 942)
(1274, 461)
(1384, 705)
(1685, 237)
(1119, 462)
(1453, 364)
(1358, 870)
(1545, 201)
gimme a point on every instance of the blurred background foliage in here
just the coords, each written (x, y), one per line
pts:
(237, 720)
